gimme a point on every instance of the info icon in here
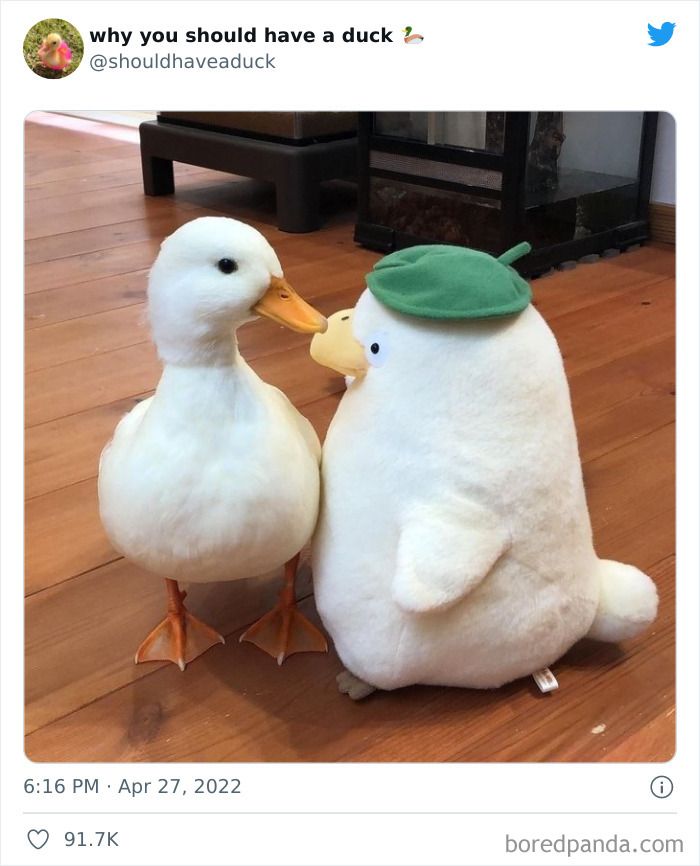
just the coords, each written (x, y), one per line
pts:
(661, 787)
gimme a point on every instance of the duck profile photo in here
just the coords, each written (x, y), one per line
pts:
(411, 38)
(454, 545)
(54, 53)
(216, 477)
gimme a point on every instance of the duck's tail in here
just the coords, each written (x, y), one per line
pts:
(628, 602)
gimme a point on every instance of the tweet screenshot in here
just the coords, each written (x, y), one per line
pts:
(350, 417)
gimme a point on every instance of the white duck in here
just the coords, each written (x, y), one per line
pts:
(215, 477)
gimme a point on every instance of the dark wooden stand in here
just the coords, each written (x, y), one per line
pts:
(295, 169)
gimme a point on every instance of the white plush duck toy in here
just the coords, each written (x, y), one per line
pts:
(454, 544)
(216, 476)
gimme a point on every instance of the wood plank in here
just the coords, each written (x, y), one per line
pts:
(63, 536)
(629, 486)
(67, 450)
(89, 267)
(655, 739)
(109, 180)
(586, 286)
(63, 665)
(79, 385)
(97, 213)
(75, 155)
(84, 299)
(75, 201)
(73, 173)
(616, 402)
(103, 237)
(645, 315)
(86, 336)
(646, 372)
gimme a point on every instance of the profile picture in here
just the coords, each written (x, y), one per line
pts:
(53, 48)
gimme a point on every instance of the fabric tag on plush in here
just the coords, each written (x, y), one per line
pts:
(546, 681)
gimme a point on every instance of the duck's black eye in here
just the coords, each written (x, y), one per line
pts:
(374, 348)
(227, 266)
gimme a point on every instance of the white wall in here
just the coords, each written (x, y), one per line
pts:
(601, 141)
(663, 182)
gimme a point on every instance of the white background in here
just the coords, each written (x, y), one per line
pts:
(476, 56)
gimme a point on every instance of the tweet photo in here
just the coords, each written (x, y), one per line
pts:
(352, 518)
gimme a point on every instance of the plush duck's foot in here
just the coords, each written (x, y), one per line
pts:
(284, 631)
(180, 637)
(353, 687)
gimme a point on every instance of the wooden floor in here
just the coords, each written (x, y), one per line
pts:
(91, 235)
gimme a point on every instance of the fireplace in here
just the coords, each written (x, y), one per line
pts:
(571, 183)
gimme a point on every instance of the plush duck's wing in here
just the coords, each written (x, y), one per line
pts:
(445, 550)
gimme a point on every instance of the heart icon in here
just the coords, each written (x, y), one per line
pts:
(38, 838)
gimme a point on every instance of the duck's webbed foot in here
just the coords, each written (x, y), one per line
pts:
(353, 687)
(180, 637)
(285, 630)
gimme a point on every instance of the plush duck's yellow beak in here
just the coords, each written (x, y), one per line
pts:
(337, 348)
(284, 306)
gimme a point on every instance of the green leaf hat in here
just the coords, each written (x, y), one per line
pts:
(437, 281)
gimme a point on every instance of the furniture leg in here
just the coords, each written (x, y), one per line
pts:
(158, 176)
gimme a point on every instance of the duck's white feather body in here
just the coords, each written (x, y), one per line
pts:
(214, 478)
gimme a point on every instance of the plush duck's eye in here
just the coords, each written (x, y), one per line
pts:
(227, 266)
(377, 349)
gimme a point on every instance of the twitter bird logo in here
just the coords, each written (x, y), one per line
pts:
(660, 35)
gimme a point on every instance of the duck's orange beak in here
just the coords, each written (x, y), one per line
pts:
(284, 306)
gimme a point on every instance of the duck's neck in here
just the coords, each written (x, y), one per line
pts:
(201, 350)
(208, 393)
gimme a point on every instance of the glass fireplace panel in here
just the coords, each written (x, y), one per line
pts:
(467, 130)
(582, 173)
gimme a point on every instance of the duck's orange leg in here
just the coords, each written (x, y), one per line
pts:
(180, 637)
(285, 630)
